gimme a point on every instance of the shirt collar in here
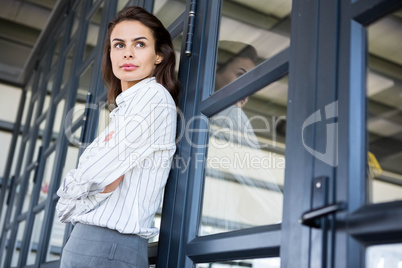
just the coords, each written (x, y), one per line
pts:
(123, 97)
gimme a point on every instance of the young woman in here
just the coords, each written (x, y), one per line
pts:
(113, 194)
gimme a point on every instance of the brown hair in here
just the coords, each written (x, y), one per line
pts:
(231, 50)
(164, 72)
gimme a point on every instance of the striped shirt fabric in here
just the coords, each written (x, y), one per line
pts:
(139, 143)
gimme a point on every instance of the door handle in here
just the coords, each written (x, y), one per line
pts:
(312, 217)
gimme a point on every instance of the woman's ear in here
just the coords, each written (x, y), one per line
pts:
(159, 59)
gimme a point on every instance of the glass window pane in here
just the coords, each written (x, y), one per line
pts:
(14, 201)
(9, 102)
(46, 104)
(56, 52)
(33, 113)
(384, 119)
(257, 263)
(28, 179)
(17, 150)
(77, 18)
(27, 101)
(384, 256)
(49, 88)
(24, 154)
(37, 146)
(18, 242)
(67, 67)
(3, 214)
(244, 173)
(71, 160)
(56, 240)
(43, 123)
(177, 48)
(4, 253)
(58, 119)
(47, 177)
(104, 118)
(57, 122)
(168, 11)
(73, 134)
(28, 196)
(121, 4)
(93, 31)
(76, 112)
(84, 84)
(5, 138)
(35, 237)
(251, 31)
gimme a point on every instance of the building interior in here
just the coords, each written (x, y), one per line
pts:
(241, 207)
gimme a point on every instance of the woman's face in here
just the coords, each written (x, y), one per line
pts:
(132, 53)
(232, 71)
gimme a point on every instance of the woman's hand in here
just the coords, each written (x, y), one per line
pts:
(111, 187)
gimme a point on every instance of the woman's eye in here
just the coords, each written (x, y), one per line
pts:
(240, 74)
(119, 45)
(140, 44)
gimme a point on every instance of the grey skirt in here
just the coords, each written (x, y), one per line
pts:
(94, 246)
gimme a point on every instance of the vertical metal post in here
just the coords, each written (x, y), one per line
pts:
(190, 29)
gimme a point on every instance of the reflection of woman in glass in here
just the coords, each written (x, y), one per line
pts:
(113, 194)
(234, 143)
(231, 67)
(235, 65)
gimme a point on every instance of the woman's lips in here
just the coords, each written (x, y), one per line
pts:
(129, 67)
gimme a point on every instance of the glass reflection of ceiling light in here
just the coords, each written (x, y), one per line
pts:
(168, 11)
(377, 83)
(378, 255)
(276, 92)
(385, 39)
(267, 43)
(159, 4)
(279, 8)
(380, 264)
(268, 263)
(384, 127)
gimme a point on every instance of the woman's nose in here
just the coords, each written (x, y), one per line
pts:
(128, 54)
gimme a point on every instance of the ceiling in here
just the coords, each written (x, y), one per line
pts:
(21, 22)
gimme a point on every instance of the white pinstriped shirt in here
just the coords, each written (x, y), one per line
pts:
(139, 143)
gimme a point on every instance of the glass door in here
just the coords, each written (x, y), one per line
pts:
(224, 198)
(344, 190)
(370, 179)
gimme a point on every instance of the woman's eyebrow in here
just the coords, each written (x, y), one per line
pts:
(243, 70)
(139, 38)
(135, 39)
